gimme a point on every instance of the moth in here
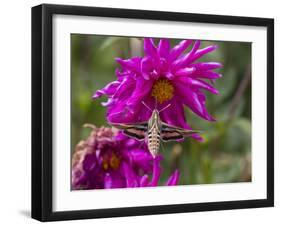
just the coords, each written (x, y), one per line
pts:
(154, 130)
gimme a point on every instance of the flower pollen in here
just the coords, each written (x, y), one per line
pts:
(111, 162)
(114, 162)
(162, 90)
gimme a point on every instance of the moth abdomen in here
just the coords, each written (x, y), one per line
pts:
(154, 141)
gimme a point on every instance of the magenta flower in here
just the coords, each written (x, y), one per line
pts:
(109, 159)
(166, 75)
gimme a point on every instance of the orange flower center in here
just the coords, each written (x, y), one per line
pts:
(162, 90)
(112, 162)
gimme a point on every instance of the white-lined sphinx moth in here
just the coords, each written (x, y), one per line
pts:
(154, 130)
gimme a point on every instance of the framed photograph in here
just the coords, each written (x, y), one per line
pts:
(146, 112)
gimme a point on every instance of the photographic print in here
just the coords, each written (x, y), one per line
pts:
(149, 112)
(138, 112)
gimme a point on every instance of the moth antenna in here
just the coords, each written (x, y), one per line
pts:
(165, 108)
(146, 106)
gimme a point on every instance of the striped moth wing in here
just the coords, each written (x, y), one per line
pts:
(170, 133)
(135, 130)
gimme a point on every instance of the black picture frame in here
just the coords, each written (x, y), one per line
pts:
(42, 107)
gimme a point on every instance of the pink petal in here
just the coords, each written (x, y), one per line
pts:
(120, 113)
(179, 49)
(185, 71)
(144, 181)
(143, 88)
(193, 101)
(173, 179)
(169, 76)
(149, 48)
(117, 179)
(205, 74)
(125, 89)
(138, 155)
(197, 83)
(185, 60)
(130, 177)
(146, 67)
(156, 171)
(164, 48)
(132, 64)
(108, 90)
(108, 181)
(204, 51)
(207, 66)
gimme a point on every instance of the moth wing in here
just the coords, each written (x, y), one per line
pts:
(170, 136)
(135, 130)
(134, 133)
(170, 132)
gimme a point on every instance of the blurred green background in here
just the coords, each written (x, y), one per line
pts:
(224, 156)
